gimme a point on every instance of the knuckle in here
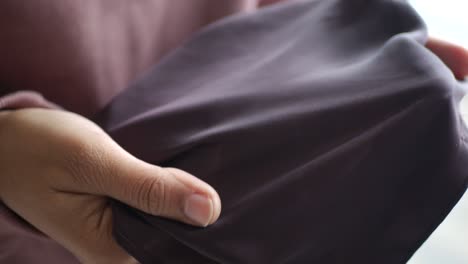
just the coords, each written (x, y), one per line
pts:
(151, 194)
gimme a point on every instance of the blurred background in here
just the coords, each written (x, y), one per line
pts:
(448, 20)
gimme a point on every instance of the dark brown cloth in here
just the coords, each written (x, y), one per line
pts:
(331, 133)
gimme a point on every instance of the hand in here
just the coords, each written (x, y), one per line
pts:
(57, 168)
(454, 56)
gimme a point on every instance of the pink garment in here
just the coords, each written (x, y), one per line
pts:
(79, 55)
(24, 99)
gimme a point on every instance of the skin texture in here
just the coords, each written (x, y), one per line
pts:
(59, 167)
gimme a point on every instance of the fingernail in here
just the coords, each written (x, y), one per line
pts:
(199, 209)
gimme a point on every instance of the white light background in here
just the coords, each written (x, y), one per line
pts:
(447, 19)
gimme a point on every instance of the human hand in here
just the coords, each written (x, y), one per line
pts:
(58, 168)
(454, 56)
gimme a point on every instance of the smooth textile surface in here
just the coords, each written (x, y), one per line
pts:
(447, 244)
(79, 54)
(329, 130)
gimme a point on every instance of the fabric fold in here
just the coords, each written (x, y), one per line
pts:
(330, 132)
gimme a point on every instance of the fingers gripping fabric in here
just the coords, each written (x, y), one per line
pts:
(330, 132)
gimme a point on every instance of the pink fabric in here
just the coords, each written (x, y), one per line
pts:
(23, 99)
(79, 55)
(20, 243)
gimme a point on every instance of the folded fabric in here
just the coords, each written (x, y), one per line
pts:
(330, 132)
(77, 55)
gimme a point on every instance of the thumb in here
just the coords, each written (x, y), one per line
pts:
(166, 192)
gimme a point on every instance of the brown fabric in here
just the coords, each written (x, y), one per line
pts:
(330, 132)
(224, 106)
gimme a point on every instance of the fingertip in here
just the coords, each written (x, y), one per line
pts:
(460, 62)
(202, 210)
(199, 209)
(217, 206)
(454, 56)
(465, 65)
(202, 206)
